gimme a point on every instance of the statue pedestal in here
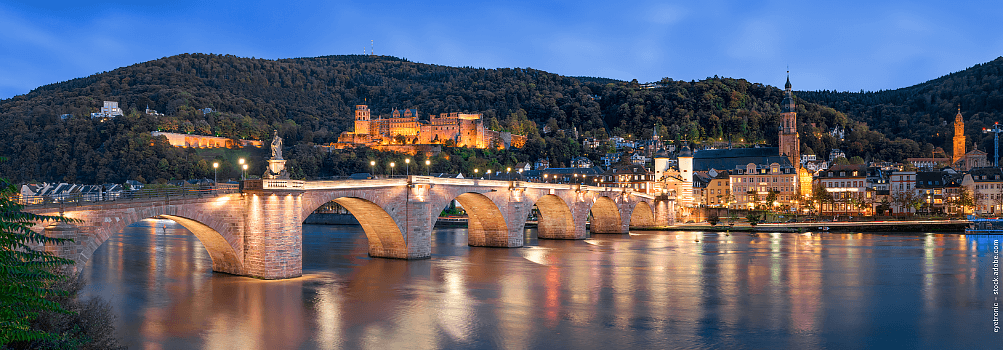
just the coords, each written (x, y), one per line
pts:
(276, 169)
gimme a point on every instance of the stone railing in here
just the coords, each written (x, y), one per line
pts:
(90, 198)
(274, 184)
(279, 184)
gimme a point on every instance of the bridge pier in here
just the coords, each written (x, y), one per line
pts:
(273, 234)
(419, 230)
(664, 211)
(515, 213)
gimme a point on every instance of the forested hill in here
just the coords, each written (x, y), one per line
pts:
(925, 112)
(310, 101)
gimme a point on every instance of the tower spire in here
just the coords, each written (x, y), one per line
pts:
(790, 143)
(788, 85)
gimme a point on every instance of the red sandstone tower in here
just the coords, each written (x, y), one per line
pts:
(959, 138)
(790, 144)
(362, 119)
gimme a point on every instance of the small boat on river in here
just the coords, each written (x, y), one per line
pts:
(984, 226)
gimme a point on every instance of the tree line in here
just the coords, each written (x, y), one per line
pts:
(925, 112)
(310, 101)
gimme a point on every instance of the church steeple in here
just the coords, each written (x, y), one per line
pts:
(790, 143)
(787, 105)
(959, 138)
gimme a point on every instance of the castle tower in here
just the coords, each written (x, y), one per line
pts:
(790, 143)
(959, 138)
(361, 119)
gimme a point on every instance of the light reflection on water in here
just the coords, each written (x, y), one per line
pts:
(644, 290)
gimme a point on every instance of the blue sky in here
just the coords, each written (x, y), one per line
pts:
(845, 45)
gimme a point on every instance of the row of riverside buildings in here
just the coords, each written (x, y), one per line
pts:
(776, 177)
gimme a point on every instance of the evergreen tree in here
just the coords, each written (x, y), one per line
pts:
(26, 274)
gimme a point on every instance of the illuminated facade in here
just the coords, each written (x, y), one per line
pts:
(202, 141)
(959, 138)
(404, 128)
(752, 186)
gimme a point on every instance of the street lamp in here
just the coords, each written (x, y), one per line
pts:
(215, 179)
(489, 173)
(243, 174)
(508, 172)
(475, 172)
(407, 166)
(427, 171)
(392, 169)
(372, 168)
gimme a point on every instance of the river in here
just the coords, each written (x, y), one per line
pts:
(645, 290)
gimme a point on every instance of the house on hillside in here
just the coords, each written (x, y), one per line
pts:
(541, 164)
(521, 167)
(581, 162)
(611, 158)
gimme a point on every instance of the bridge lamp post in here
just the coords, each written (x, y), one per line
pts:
(215, 179)
(243, 166)
(475, 172)
(489, 173)
(392, 169)
(508, 172)
(544, 178)
(407, 166)
(243, 174)
(372, 168)
(428, 172)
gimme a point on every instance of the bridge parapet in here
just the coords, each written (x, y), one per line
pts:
(352, 184)
(274, 184)
(146, 194)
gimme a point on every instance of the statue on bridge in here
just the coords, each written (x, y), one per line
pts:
(276, 165)
(276, 146)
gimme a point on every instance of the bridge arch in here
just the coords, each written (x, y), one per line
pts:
(555, 221)
(605, 216)
(642, 215)
(383, 232)
(486, 226)
(221, 240)
(385, 237)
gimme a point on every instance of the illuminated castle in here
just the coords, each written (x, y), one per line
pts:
(404, 128)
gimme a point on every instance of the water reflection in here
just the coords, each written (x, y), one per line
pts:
(643, 290)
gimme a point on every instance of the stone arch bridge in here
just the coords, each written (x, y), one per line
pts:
(258, 231)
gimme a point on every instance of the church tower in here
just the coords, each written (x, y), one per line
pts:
(959, 138)
(790, 144)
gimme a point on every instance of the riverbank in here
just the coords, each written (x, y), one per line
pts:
(946, 226)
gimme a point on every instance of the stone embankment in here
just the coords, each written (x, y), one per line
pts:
(945, 226)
